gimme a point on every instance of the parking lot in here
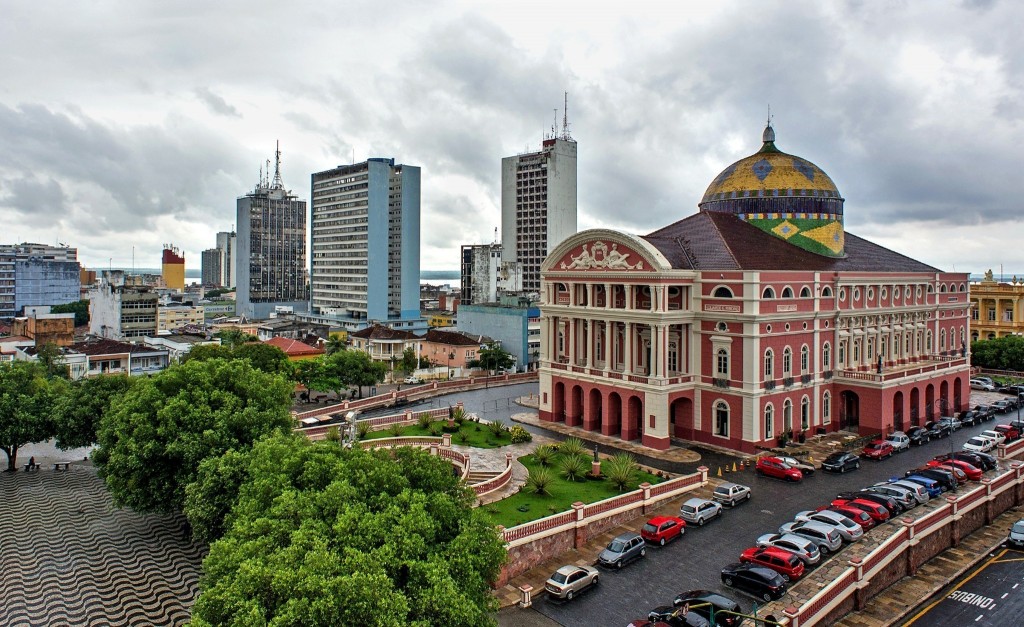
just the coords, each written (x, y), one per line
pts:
(695, 561)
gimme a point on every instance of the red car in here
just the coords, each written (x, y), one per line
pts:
(775, 467)
(663, 529)
(858, 516)
(878, 449)
(1011, 432)
(973, 472)
(878, 513)
(781, 561)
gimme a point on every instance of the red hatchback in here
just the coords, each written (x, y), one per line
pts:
(878, 449)
(878, 513)
(663, 529)
(775, 467)
(858, 516)
(781, 561)
(1011, 432)
(970, 471)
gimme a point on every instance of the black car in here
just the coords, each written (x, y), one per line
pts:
(981, 460)
(841, 461)
(761, 582)
(726, 609)
(1007, 389)
(675, 617)
(971, 417)
(986, 411)
(895, 507)
(918, 435)
(944, 478)
(938, 429)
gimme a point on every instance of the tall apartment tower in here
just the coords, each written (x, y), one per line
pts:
(271, 252)
(37, 274)
(213, 270)
(365, 243)
(538, 203)
(227, 243)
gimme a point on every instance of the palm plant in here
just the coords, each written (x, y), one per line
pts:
(539, 481)
(424, 420)
(571, 447)
(544, 454)
(395, 430)
(621, 470)
(574, 467)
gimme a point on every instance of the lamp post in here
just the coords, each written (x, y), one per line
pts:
(348, 437)
(451, 356)
(944, 407)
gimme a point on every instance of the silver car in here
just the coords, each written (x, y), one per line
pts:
(570, 580)
(826, 537)
(848, 529)
(918, 490)
(731, 493)
(805, 549)
(699, 511)
(623, 548)
(902, 495)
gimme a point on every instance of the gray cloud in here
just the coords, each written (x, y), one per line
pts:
(215, 103)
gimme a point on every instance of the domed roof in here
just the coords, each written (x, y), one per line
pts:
(770, 173)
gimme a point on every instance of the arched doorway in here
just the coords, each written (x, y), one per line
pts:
(958, 395)
(613, 419)
(944, 395)
(787, 417)
(631, 426)
(592, 417)
(682, 418)
(915, 407)
(929, 402)
(897, 411)
(574, 414)
(558, 403)
(849, 413)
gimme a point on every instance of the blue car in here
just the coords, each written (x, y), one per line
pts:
(931, 485)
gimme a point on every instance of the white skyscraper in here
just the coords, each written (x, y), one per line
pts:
(227, 242)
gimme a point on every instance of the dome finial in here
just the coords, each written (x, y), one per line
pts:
(769, 133)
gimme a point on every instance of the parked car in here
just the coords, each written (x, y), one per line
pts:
(774, 467)
(623, 548)
(981, 460)
(803, 548)
(731, 493)
(877, 450)
(877, 512)
(979, 444)
(646, 622)
(971, 418)
(983, 378)
(902, 496)
(937, 429)
(1016, 537)
(996, 436)
(899, 440)
(570, 580)
(675, 617)
(1002, 406)
(858, 516)
(702, 599)
(969, 471)
(758, 581)
(1009, 388)
(918, 491)
(986, 411)
(781, 561)
(892, 505)
(827, 538)
(986, 386)
(698, 511)
(840, 462)
(954, 424)
(946, 480)
(933, 487)
(918, 435)
(806, 468)
(662, 529)
(1011, 433)
(413, 380)
(847, 528)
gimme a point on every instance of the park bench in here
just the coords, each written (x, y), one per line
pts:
(62, 465)
(31, 466)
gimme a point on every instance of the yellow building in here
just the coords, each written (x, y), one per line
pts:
(170, 317)
(173, 269)
(996, 308)
(440, 319)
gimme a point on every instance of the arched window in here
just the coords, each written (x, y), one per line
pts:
(722, 363)
(826, 356)
(826, 291)
(805, 358)
(722, 419)
(722, 292)
(787, 416)
(787, 292)
(842, 353)
(928, 341)
(826, 408)
(856, 352)
(942, 288)
(768, 293)
(963, 287)
(787, 362)
(805, 414)
(805, 292)
(942, 340)
(769, 421)
(769, 364)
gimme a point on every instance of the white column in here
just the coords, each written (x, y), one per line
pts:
(627, 360)
(590, 343)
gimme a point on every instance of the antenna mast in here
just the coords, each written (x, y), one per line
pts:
(278, 183)
(565, 119)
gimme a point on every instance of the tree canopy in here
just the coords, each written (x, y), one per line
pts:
(80, 308)
(494, 357)
(264, 357)
(82, 406)
(153, 440)
(27, 401)
(353, 369)
(325, 535)
(1004, 353)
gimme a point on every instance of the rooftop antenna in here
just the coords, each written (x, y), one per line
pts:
(278, 183)
(266, 182)
(769, 133)
(565, 118)
(554, 125)
(260, 183)
(495, 235)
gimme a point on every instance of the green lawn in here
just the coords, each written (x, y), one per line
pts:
(477, 434)
(562, 494)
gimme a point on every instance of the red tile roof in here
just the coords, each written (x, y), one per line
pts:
(453, 338)
(293, 348)
(102, 346)
(381, 332)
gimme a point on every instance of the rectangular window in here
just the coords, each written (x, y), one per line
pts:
(991, 314)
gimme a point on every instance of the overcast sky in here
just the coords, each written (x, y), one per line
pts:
(138, 123)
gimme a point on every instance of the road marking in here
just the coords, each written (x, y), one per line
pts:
(1015, 586)
(927, 609)
(1011, 559)
(1005, 594)
(979, 618)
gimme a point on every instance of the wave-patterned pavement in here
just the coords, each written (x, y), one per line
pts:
(69, 557)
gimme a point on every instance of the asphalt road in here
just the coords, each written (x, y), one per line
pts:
(990, 594)
(695, 561)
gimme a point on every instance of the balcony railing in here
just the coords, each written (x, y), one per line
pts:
(720, 383)
(788, 382)
(769, 385)
(805, 378)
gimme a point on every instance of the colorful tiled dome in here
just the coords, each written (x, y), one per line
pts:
(782, 194)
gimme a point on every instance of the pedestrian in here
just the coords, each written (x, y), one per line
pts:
(32, 462)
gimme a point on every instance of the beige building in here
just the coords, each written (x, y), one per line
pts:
(177, 315)
(996, 308)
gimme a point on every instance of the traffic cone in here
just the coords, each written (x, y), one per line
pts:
(810, 458)
(719, 471)
(734, 466)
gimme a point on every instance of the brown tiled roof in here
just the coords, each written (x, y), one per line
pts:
(381, 332)
(293, 347)
(102, 346)
(453, 338)
(719, 241)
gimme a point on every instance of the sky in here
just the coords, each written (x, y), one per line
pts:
(125, 125)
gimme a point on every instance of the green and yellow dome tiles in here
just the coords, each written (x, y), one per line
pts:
(784, 195)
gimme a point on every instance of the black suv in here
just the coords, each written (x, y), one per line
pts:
(698, 599)
(759, 581)
(986, 411)
(918, 435)
(971, 417)
(938, 429)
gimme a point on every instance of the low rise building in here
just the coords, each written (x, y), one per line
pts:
(997, 308)
(515, 323)
(44, 327)
(296, 350)
(119, 312)
(106, 356)
(179, 344)
(176, 315)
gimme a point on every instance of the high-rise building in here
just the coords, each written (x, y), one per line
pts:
(119, 311)
(538, 203)
(213, 267)
(172, 268)
(271, 252)
(485, 276)
(37, 274)
(365, 244)
(227, 242)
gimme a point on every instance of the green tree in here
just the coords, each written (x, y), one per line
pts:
(153, 440)
(233, 338)
(265, 357)
(494, 357)
(313, 376)
(409, 360)
(1004, 353)
(354, 369)
(208, 351)
(324, 535)
(80, 308)
(209, 499)
(52, 360)
(27, 400)
(82, 407)
(335, 343)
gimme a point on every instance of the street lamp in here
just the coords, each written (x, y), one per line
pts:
(451, 356)
(944, 407)
(349, 435)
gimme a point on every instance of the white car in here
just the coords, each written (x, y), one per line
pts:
(979, 444)
(805, 549)
(900, 441)
(981, 384)
(413, 380)
(918, 490)
(995, 436)
(848, 529)
(825, 536)
(699, 511)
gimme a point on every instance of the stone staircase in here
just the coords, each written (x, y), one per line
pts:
(480, 476)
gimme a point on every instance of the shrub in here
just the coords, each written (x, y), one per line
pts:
(435, 430)
(621, 470)
(572, 447)
(544, 454)
(539, 481)
(461, 437)
(424, 421)
(362, 428)
(574, 467)
(333, 435)
(395, 430)
(497, 428)
(458, 414)
(519, 434)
